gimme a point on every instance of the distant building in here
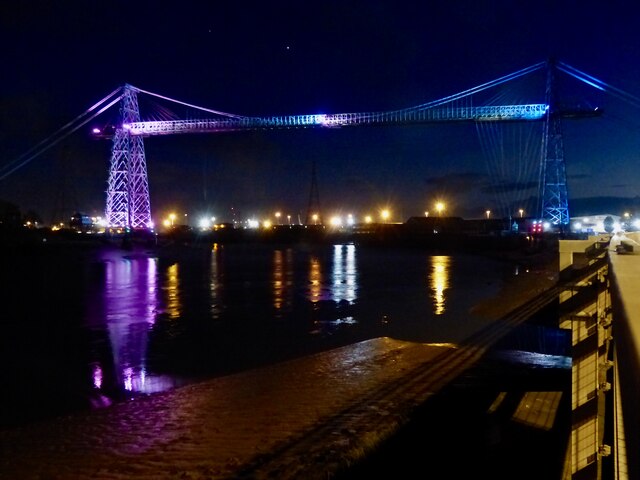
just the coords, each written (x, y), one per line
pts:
(81, 223)
(595, 224)
(436, 224)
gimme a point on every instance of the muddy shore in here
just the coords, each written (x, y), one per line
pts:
(454, 435)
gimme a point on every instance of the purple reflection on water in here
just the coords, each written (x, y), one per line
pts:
(97, 376)
(131, 301)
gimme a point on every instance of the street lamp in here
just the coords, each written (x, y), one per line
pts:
(488, 212)
(439, 208)
(384, 214)
(278, 217)
(521, 212)
(172, 218)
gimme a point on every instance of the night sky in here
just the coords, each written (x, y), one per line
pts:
(294, 57)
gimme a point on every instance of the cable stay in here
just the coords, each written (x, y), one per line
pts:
(477, 89)
(59, 135)
(512, 153)
(599, 84)
(216, 112)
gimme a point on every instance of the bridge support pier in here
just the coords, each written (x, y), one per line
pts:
(553, 176)
(128, 203)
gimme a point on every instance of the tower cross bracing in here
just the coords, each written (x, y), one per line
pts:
(128, 202)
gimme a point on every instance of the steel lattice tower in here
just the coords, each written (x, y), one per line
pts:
(553, 176)
(128, 203)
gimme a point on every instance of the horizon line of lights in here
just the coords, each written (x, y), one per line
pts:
(337, 220)
(349, 220)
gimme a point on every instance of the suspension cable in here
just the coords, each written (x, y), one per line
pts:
(479, 88)
(55, 142)
(598, 84)
(224, 114)
(86, 112)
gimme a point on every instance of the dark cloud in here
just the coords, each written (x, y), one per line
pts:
(578, 176)
(510, 187)
(457, 181)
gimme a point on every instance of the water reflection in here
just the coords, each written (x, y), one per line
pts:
(333, 296)
(130, 297)
(129, 322)
(315, 279)
(216, 281)
(282, 280)
(439, 281)
(344, 281)
(97, 376)
(172, 291)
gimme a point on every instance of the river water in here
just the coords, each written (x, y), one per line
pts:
(87, 327)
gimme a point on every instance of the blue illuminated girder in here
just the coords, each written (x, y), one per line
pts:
(406, 116)
(553, 176)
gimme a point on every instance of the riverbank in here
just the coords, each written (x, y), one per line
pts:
(535, 271)
(263, 412)
(468, 430)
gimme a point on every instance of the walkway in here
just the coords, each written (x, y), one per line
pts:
(625, 273)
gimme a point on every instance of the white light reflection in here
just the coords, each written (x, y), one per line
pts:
(127, 373)
(344, 273)
(131, 304)
(439, 282)
(97, 376)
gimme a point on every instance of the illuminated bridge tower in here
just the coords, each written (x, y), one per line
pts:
(553, 176)
(128, 203)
